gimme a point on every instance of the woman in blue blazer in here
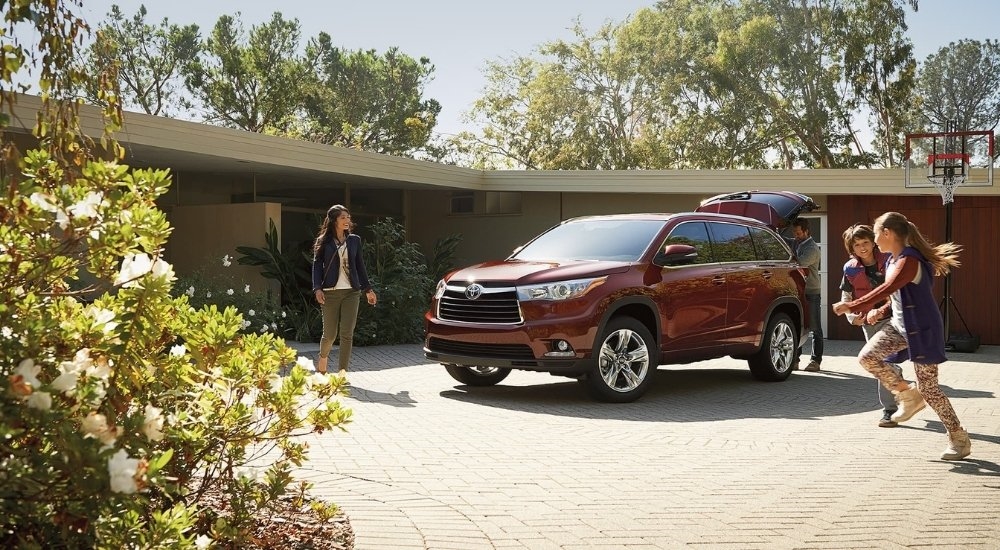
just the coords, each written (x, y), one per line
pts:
(339, 279)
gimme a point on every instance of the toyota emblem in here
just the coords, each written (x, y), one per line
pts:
(473, 291)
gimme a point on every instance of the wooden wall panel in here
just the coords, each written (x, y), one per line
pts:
(975, 223)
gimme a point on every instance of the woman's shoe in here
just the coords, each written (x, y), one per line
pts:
(959, 445)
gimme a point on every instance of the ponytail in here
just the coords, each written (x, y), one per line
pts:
(942, 257)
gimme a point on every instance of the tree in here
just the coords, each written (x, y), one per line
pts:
(879, 65)
(149, 60)
(252, 82)
(585, 105)
(961, 83)
(362, 100)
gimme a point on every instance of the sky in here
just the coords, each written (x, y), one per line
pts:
(461, 36)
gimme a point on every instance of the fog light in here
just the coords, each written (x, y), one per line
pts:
(561, 348)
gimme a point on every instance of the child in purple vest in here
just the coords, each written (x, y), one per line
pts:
(915, 329)
(862, 273)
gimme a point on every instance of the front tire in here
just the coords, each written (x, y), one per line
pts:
(624, 362)
(778, 350)
(477, 376)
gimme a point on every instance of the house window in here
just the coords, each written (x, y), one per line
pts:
(462, 202)
(503, 202)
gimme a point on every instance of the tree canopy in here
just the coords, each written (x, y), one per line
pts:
(148, 61)
(368, 101)
(707, 84)
(960, 83)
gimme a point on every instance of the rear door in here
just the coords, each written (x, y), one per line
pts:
(734, 248)
(692, 297)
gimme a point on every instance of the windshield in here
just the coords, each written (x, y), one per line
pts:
(609, 240)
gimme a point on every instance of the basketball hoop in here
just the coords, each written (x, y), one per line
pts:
(945, 185)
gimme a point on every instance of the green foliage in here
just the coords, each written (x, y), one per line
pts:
(291, 270)
(120, 417)
(705, 84)
(261, 309)
(399, 273)
(250, 82)
(148, 60)
(961, 83)
(362, 100)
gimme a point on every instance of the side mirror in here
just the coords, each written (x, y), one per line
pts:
(676, 254)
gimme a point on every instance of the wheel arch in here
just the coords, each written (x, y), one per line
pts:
(789, 306)
(640, 308)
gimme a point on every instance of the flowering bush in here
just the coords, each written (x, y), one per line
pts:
(261, 311)
(118, 416)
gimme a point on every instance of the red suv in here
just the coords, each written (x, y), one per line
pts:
(607, 299)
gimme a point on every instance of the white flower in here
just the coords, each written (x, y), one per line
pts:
(251, 313)
(263, 329)
(283, 314)
(100, 369)
(246, 289)
(305, 363)
(208, 294)
(178, 350)
(152, 424)
(96, 425)
(162, 269)
(202, 542)
(190, 291)
(122, 470)
(135, 266)
(229, 292)
(69, 373)
(244, 325)
(86, 208)
(25, 378)
(43, 201)
(40, 400)
(225, 261)
(104, 317)
(7, 333)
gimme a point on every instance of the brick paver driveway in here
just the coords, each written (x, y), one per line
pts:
(708, 458)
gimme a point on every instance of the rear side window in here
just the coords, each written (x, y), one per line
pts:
(732, 242)
(769, 246)
(693, 234)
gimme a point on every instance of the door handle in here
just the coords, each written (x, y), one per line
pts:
(718, 280)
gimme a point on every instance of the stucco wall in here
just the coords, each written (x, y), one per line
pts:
(203, 234)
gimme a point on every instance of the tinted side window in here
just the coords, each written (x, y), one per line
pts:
(769, 247)
(694, 234)
(732, 242)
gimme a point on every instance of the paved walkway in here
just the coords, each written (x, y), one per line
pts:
(709, 458)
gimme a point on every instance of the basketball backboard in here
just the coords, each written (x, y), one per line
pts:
(965, 157)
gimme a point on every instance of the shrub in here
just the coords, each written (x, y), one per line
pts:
(260, 310)
(117, 416)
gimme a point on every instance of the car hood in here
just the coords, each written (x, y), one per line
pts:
(517, 272)
(777, 209)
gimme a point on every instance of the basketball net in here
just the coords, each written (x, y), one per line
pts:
(946, 186)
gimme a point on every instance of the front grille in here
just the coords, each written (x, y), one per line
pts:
(494, 306)
(475, 349)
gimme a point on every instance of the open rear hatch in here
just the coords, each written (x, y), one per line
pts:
(775, 208)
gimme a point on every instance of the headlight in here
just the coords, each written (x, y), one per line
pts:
(439, 291)
(562, 290)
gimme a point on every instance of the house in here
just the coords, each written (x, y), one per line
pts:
(228, 184)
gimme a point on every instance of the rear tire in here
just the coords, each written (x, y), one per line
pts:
(624, 362)
(778, 350)
(477, 376)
